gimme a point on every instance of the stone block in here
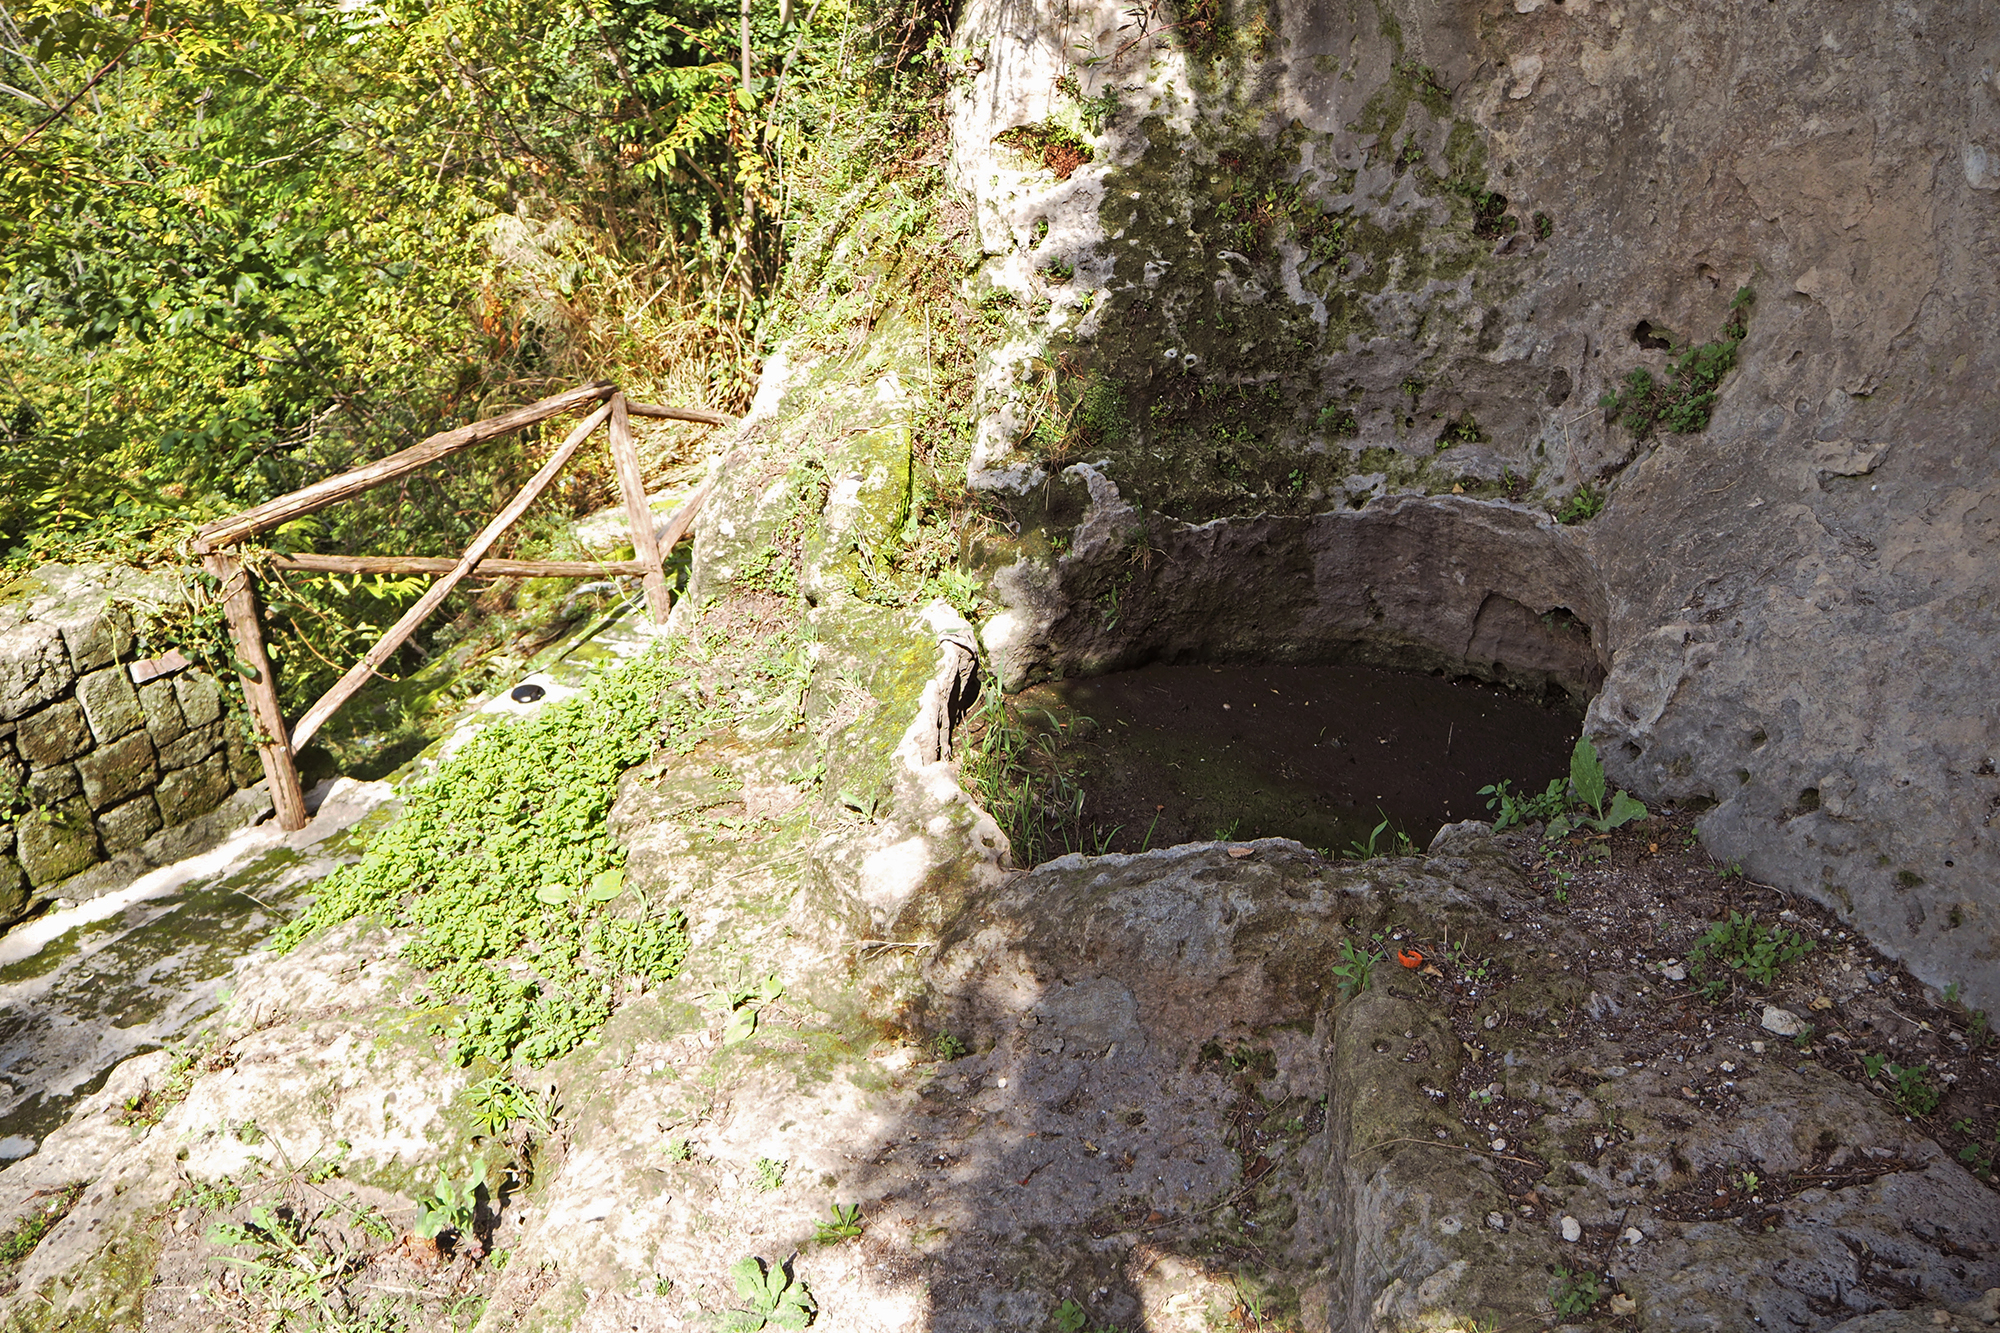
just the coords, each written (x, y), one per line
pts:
(115, 772)
(197, 835)
(54, 785)
(109, 703)
(6, 839)
(124, 827)
(200, 699)
(57, 733)
(188, 792)
(246, 768)
(34, 668)
(163, 711)
(57, 842)
(13, 773)
(192, 748)
(96, 637)
(13, 890)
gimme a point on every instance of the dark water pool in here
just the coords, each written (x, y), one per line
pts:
(1171, 754)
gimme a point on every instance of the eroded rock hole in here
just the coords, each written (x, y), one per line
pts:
(1652, 337)
(1323, 754)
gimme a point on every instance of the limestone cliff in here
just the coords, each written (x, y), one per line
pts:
(1272, 264)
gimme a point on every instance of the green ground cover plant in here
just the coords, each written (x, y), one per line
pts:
(1755, 953)
(1567, 804)
(1909, 1086)
(776, 1297)
(469, 864)
(1574, 1293)
(1684, 401)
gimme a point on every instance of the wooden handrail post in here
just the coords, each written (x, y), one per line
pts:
(358, 674)
(281, 774)
(638, 514)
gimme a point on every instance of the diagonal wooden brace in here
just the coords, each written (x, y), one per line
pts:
(358, 674)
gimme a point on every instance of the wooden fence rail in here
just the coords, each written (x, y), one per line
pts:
(277, 746)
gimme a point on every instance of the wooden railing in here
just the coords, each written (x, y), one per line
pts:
(278, 746)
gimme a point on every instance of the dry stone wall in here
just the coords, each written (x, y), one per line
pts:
(105, 767)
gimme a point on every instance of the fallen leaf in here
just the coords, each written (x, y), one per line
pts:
(1430, 970)
(1622, 1304)
(1153, 1219)
(1820, 1002)
(1240, 852)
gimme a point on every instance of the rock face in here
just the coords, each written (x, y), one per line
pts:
(1329, 255)
(1158, 1101)
(103, 774)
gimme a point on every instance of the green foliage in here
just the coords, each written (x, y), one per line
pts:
(450, 1206)
(948, 1047)
(1755, 952)
(1399, 844)
(496, 1103)
(297, 1270)
(20, 1242)
(1685, 400)
(1574, 1293)
(845, 1225)
(1909, 1086)
(771, 1174)
(466, 863)
(1587, 788)
(1356, 967)
(1979, 1155)
(1462, 430)
(745, 1002)
(1049, 144)
(1586, 503)
(1510, 810)
(1020, 780)
(1567, 804)
(777, 1299)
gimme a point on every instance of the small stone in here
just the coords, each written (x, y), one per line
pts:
(1756, 1048)
(1499, 1145)
(1728, 1066)
(1572, 1229)
(1622, 1304)
(1633, 1235)
(1450, 1226)
(1498, 1221)
(1673, 971)
(1781, 1022)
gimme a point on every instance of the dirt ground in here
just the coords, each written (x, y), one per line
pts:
(1652, 891)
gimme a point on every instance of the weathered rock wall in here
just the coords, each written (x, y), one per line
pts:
(105, 768)
(1332, 254)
